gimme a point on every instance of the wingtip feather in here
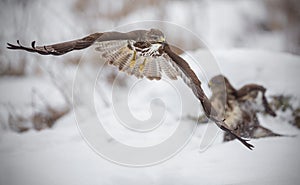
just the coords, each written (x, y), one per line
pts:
(10, 46)
(33, 44)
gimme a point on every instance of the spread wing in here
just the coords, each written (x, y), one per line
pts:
(151, 61)
(247, 89)
(60, 48)
(132, 62)
(78, 44)
(195, 85)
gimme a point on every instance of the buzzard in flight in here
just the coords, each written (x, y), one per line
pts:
(142, 53)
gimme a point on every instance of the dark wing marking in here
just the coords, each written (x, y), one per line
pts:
(244, 141)
(249, 88)
(199, 93)
(65, 47)
(245, 90)
(267, 106)
(60, 48)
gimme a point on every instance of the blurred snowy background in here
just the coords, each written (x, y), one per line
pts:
(271, 25)
(253, 41)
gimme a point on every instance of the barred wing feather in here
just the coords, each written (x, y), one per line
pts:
(118, 54)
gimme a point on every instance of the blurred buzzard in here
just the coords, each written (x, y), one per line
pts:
(142, 53)
(241, 108)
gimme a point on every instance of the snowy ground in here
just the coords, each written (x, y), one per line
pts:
(61, 156)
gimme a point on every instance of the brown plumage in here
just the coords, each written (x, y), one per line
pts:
(147, 50)
(241, 107)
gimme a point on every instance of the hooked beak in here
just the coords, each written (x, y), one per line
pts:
(162, 39)
(209, 84)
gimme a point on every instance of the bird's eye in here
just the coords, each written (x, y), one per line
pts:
(154, 37)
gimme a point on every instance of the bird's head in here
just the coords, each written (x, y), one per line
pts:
(216, 80)
(154, 35)
(217, 84)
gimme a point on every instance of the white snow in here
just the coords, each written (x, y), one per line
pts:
(61, 156)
